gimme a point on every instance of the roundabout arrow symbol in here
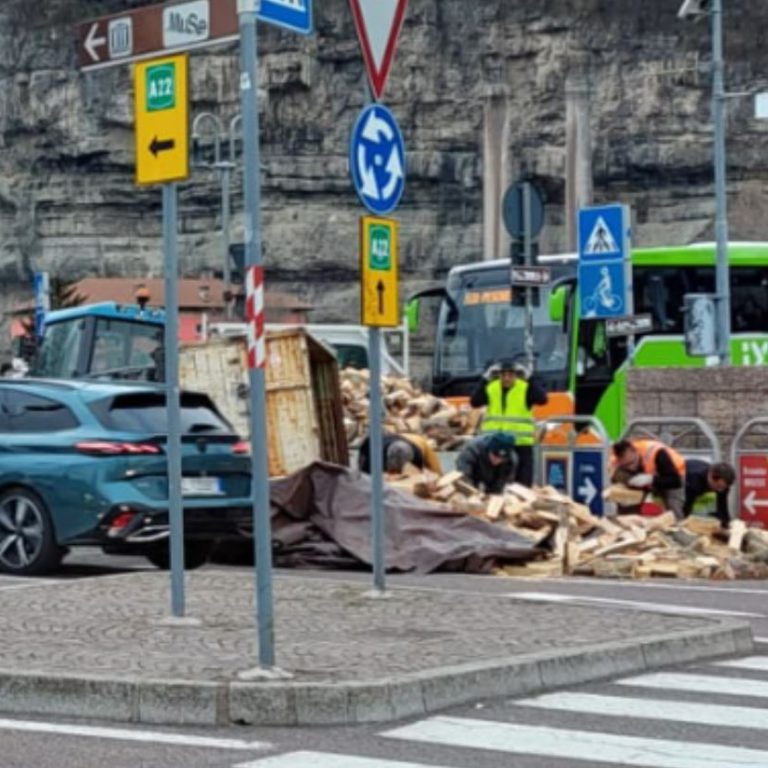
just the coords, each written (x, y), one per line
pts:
(395, 171)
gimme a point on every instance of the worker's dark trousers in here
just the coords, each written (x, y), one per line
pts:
(524, 474)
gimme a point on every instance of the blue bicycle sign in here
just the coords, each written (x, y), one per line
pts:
(377, 159)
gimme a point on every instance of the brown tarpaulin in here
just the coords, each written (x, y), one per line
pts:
(321, 517)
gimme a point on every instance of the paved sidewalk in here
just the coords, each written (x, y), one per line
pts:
(103, 648)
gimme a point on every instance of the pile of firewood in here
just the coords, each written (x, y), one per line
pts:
(407, 410)
(571, 540)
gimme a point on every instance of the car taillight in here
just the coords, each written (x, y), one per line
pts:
(108, 448)
(241, 447)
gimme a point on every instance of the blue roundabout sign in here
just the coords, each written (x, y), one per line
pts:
(377, 159)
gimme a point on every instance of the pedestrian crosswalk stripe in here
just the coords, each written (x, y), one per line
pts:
(759, 663)
(699, 684)
(327, 760)
(130, 734)
(589, 746)
(653, 709)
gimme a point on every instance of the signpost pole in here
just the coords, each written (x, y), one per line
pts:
(249, 81)
(376, 460)
(721, 217)
(527, 238)
(173, 398)
(226, 170)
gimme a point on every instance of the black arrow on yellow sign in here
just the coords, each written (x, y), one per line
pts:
(161, 145)
(380, 291)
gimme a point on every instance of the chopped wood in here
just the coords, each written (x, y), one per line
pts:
(448, 480)
(704, 526)
(737, 532)
(567, 538)
(407, 409)
(620, 494)
(494, 508)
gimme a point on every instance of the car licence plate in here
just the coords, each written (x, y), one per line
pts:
(200, 486)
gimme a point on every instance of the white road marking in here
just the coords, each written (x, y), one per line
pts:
(759, 663)
(699, 684)
(27, 584)
(591, 747)
(652, 709)
(124, 734)
(552, 597)
(326, 760)
(760, 639)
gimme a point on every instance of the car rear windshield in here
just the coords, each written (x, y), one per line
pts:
(146, 413)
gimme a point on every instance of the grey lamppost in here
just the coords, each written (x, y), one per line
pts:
(714, 8)
(224, 168)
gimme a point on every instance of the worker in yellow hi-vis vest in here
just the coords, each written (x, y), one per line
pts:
(509, 392)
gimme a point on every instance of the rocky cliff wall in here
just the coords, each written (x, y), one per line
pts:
(68, 202)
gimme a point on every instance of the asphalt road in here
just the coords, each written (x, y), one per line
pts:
(701, 715)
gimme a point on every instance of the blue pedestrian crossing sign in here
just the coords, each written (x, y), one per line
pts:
(377, 159)
(295, 15)
(604, 265)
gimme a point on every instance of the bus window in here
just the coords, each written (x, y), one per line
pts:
(749, 300)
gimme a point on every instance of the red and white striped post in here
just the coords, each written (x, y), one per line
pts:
(254, 312)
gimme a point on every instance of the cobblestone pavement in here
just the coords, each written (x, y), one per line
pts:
(325, 631)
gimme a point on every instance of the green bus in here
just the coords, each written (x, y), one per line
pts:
(480, 319)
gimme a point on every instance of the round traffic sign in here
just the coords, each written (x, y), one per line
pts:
(377, 159)
(513, 211)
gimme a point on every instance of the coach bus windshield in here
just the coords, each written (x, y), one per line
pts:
(482, 322)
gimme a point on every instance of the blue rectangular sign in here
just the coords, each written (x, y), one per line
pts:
(603, 233)
(602, 289)
(295, 15)
(588, 480)
(604, 262)
(557, 471)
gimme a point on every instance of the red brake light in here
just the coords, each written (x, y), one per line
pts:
(242, 448)
(108, 448)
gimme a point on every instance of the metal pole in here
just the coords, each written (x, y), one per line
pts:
(376, 459)
(173, 399)
(249, 82)
(225, 207)
(528, 259)
(721, 216)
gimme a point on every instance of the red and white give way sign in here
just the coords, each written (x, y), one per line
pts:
(753, 488)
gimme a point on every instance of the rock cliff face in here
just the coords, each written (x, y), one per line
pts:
(68, 202)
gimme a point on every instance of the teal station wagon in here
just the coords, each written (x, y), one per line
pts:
(84, 463)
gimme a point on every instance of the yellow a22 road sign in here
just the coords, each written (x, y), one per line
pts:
(162, 120)
(379, 294)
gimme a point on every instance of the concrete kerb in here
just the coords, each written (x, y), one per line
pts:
(177, 702)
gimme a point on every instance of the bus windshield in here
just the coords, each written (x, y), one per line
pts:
(483, 321)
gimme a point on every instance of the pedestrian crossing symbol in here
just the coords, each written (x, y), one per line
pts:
(601, 240)
(603, 233)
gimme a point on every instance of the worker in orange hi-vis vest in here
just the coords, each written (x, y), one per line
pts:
(652, 466)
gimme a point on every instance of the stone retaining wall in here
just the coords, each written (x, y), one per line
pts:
(725, 398)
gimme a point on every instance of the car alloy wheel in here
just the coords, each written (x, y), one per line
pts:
(27, 544)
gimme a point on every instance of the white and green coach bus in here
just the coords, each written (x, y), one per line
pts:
(481, 319)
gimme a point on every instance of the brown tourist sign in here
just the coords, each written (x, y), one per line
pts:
(158, 30)
(155, 30)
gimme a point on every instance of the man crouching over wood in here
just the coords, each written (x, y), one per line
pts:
(652, 467)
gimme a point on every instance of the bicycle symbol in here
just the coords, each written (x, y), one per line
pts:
(603, 297)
